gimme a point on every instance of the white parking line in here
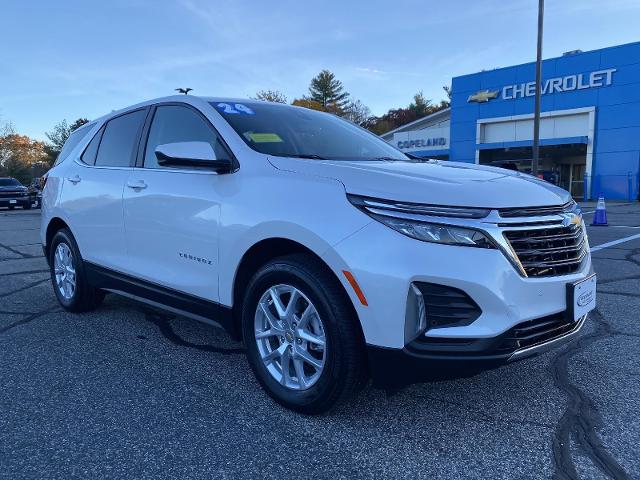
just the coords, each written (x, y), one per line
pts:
(614, 242)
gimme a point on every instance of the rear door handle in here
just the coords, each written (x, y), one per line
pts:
(75, 179)
(139, 185)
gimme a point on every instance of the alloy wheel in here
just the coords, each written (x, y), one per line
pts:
(290, 337)
(65, 271)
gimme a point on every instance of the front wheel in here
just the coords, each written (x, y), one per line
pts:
(68, 276)
(303, 340)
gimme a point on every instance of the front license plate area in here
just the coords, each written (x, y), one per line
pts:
(581, 298)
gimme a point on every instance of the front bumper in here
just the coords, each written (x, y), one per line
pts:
(432, 359)
(15, 201)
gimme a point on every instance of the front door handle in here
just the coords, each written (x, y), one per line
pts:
(139, 185)
(75, 179)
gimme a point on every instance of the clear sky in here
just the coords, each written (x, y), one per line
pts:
(83, 58)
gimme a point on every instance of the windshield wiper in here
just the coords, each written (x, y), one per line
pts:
(394, 159)
(302, 155)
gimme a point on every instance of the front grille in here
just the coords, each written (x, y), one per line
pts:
(536, 332)
(10, 194)
(536, 211)
(447, 306)
(549, 251)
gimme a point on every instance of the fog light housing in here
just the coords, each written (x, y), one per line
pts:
(415, 322)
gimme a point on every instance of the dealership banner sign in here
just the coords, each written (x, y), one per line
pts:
(580, 81)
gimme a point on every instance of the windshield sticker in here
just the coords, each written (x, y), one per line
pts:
(235, 108)
(263, 137)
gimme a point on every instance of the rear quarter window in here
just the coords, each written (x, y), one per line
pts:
(90, 153)
(74, 139)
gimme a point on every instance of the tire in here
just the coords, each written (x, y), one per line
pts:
(82, 297)
(344, 362)
(27, 206)
(11, 207)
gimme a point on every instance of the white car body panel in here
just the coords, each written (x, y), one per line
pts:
(438, 183)
(141, 232)
(93, 209)
(175, 217)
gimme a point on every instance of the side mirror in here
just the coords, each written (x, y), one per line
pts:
(191, 154)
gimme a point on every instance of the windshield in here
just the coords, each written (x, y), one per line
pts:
(287, 131)
(9, 182)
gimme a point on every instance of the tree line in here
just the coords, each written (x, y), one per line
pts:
(327, 93)
(24, 158)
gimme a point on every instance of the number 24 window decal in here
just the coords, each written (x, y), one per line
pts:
(235, 108)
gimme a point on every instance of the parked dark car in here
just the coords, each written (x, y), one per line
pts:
(14, 194)
(505, 164)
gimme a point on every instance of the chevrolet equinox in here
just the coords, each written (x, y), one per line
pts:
(335, 257)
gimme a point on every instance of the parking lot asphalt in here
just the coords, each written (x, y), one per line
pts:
(128, 391)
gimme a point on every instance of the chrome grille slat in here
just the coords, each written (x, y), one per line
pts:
(555, 263)
(549, 251)
(535, 211)
(546, 238)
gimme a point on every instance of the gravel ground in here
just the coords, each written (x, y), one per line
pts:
(131, 392)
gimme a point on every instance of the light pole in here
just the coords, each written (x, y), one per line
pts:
(536, 109)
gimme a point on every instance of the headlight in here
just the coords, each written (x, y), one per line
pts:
(401, 216)
(437, 233)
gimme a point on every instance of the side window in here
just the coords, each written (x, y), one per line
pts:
(173, 123)
(89, 155)
(71, 143)
(119, 140)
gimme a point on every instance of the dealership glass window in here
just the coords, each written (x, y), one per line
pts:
(172, 124)
(119, 140)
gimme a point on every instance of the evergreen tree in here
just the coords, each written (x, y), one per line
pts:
(328, 91)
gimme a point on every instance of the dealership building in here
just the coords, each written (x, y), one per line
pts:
(589, 126)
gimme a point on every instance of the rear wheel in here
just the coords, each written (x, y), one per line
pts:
(68, 275)
(303, 341)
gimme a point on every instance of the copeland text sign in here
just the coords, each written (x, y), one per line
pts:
(440, 142)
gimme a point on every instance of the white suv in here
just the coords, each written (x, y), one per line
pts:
(332, 255)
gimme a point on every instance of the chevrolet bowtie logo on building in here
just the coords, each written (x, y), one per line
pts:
(483, 96)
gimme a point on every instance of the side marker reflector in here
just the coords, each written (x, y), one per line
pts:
(356, 288)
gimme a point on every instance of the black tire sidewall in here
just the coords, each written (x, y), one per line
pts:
(283, 272)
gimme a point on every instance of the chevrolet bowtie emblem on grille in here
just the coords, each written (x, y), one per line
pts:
(483, 96)
(571, 219)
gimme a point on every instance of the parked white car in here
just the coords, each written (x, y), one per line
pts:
(334, 257)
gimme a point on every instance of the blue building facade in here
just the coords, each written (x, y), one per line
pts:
(590, 122)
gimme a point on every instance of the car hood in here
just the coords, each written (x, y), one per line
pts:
(12, 188)
(433, 182)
